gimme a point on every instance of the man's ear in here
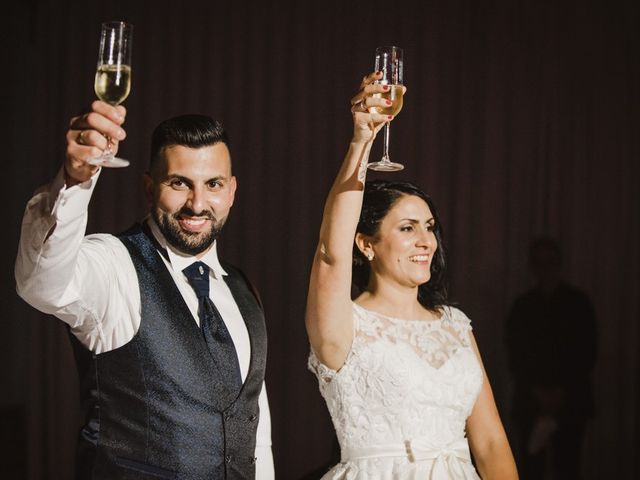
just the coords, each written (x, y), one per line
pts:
(233, 186)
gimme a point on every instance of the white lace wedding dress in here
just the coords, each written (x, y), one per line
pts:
(400, 401)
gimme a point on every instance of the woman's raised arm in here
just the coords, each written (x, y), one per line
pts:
(329, 313)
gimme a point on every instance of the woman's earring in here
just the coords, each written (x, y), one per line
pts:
(370, 256)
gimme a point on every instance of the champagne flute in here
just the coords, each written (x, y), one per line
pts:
(113, 77)
(389, 62)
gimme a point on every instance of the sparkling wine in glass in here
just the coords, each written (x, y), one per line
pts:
(389, 61)
(113, 77)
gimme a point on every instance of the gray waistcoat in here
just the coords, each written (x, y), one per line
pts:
(156, 407)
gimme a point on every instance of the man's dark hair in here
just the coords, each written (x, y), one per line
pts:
(379, 197)
(191, 130)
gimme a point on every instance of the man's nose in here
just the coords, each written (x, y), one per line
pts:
(197, 201)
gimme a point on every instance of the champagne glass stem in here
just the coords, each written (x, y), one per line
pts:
(109, 150)
(385, 147)
(108, 159)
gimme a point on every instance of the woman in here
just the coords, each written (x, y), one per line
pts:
(398, 368)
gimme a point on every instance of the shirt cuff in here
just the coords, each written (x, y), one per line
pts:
(69, 203)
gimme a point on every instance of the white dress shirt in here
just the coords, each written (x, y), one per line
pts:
(90, 283)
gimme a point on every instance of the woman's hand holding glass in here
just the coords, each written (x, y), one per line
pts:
(370, 108)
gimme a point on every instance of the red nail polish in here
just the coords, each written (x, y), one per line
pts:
(390, 117)
(388, 102)
(386, 87)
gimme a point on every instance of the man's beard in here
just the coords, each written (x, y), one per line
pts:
(191, 243)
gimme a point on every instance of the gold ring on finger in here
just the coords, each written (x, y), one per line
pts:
(79, 139)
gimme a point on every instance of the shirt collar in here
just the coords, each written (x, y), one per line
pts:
(180, 260)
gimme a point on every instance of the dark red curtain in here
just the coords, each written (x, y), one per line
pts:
(521, 118)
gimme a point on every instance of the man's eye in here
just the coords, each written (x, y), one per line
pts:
(177, 183)
(214, 184)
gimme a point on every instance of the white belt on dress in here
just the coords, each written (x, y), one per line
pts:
(414, 450)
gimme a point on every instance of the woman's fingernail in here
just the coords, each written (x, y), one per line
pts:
(388, 102)
(385, 87)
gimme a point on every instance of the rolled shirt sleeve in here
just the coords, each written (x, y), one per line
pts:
(86, 281)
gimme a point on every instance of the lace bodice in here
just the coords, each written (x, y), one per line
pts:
(402, 380)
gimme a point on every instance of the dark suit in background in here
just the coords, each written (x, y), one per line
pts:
(551, 336)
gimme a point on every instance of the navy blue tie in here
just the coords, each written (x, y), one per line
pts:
(213, 329)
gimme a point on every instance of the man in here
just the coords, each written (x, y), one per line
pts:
(551, 334)
(171, 342)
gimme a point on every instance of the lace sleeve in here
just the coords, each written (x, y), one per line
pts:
(324, 373)
(461, 324)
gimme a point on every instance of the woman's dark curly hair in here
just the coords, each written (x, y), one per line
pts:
(379, 197)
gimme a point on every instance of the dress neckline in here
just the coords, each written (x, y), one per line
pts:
(443, 316)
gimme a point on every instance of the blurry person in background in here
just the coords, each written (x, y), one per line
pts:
(551, 341)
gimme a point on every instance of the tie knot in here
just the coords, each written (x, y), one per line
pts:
(198, 276)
